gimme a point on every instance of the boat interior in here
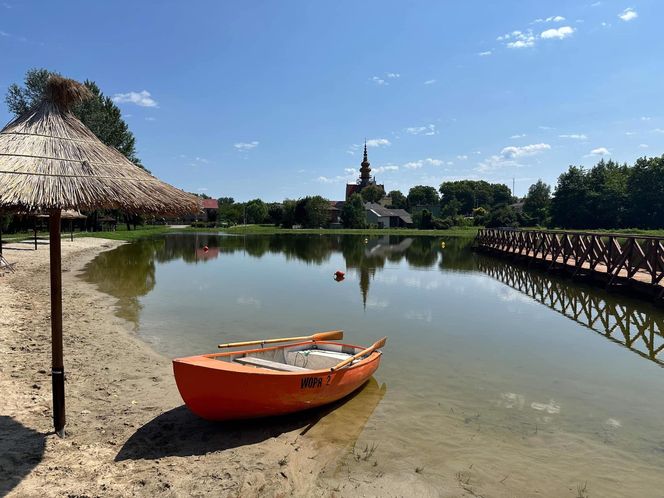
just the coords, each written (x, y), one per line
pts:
(295, 358)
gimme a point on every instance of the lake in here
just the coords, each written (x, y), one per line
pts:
(495, 374)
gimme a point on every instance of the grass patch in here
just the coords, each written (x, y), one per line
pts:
(144, 231)
(411, 232)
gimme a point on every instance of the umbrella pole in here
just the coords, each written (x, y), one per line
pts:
(57, 372)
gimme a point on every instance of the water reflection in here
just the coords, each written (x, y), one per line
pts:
(128, 273)
(633, 324)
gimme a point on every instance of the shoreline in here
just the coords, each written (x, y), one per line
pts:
(127, 429)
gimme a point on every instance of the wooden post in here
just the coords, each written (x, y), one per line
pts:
(34, 229)
(57, 367)
(71, 230)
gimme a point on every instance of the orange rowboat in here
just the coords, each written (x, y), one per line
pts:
(274, 380)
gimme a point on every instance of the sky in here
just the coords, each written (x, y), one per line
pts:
(274, 99)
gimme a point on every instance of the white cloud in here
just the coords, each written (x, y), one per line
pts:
(393, 75)
(485, 53)
(549, 19)
(645, 118)
(384, 169)
(643, 146)
(429, 82)
(150, 118)
(518, 136)
(600, 151)
(143, 99)
(575, 136)
(423, 162)
(527, 150)
(630, 133)
(4, 33)
(429, 129)
(658, 130)
(518, 39)
(559, 33)
(379, 81)
(246, 145)
(628, 14)
(462, 157)
(335, 179)
(378, 142)
(509, 156)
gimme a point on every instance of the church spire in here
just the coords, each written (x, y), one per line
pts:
(365, 169)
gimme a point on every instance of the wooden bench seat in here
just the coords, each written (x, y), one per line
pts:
(272, 365)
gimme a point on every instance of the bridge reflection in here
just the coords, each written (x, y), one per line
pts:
(631, 324)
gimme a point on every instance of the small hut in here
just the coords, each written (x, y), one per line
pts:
(50, 161)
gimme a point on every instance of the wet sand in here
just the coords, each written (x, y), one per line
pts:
(127, 431)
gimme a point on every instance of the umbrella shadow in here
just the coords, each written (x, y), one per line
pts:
(178, 432)
(22, 450)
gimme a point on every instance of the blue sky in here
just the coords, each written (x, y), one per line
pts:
(273, 99)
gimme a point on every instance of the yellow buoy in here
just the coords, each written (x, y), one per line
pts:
(442, 245)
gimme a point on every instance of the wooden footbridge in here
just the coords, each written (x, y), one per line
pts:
(629, 262)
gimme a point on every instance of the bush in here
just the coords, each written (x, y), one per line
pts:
(443, 223)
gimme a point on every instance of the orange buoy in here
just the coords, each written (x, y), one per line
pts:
(339, 274)
(206, 248)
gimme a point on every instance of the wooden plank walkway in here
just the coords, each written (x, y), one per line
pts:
(634, 261)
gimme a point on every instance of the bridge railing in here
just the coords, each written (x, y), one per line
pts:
(637, 257)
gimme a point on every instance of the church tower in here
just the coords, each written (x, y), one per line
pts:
(365, 178)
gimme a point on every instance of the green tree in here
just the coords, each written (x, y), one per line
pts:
(99, 113)
(451, 208)
(423, 219)
(537, 202)
(569, 206)
(646, 193)
(471, 194)
(422, 195)
(397, 200)
(353, 214)
(288, 218)
(372, 193)
(256, 211)
(275, 213)
(607, 194)
(317, 212)
(504, 216)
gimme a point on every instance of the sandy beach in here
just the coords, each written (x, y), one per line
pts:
(127, 431)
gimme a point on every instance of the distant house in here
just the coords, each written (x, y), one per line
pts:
(211, 209)
(387, 218)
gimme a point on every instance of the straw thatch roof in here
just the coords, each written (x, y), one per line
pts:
(50, 160)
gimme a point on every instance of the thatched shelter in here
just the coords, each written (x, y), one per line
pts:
(50, 161)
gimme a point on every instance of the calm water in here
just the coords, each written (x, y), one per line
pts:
(490, 369)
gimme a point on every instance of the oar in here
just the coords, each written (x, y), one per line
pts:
(376, 345)
(320, 336)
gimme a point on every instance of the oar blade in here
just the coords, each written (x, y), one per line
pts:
(328, 336)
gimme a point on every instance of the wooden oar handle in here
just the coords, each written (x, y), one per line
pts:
(376, 345)
(320, 336)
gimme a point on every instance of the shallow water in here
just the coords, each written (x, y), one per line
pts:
(491, 369)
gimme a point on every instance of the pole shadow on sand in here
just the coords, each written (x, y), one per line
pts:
(21, 450)
(178, 432)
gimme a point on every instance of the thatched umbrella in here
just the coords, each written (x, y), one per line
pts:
(51, 161)
(65, 214)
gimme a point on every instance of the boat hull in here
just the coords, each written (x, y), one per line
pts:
(221, 390)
